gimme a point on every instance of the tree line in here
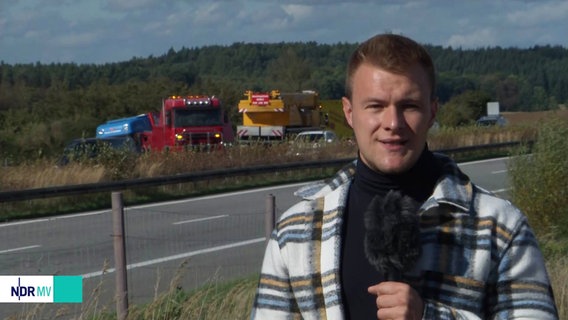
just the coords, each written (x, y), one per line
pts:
(42, 106)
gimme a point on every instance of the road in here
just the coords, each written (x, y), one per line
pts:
(201, 240)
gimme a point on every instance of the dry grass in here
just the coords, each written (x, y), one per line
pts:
(532, 118)
(559, 278)
(44, 174)
(214, 301)
(446, 138)
(522, 127)
(232, 301)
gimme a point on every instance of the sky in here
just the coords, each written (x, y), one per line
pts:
(107, 31)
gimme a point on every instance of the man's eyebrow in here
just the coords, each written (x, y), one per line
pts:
(409, 100)
(373, 100)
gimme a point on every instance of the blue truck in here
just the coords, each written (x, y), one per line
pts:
(131, 126)
(139, 128)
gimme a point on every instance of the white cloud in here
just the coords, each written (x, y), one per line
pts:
(540, 13)
(208, 14)
(76, 39)
(486, 37)
(127, 5)
(299, 11)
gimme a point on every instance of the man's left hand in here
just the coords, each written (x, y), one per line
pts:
(397, 300)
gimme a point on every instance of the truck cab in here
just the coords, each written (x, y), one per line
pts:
(189, 122)
(137, 128)
(273, 115)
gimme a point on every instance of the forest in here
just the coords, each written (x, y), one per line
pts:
(43, 106)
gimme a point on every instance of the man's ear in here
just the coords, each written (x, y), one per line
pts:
(347, 110)
(433, 112)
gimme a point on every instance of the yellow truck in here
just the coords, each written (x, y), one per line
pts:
(274, 115)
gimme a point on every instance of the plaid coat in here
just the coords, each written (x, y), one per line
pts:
(480, 259)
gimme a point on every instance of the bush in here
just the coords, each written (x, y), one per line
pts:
(463, 109)
(539, 181)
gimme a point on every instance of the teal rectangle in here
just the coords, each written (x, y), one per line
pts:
(67, 289)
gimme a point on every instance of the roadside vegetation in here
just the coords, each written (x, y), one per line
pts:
(539, 187)
(117, 166)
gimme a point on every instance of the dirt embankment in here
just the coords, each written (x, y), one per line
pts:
(534, 117)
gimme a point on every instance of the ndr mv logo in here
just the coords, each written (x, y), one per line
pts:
(20, 290)
(49, 289)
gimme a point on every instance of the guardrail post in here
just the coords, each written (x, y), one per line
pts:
(119, 256)
(269, 216)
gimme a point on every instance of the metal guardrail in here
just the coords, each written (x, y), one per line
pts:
(71, 190)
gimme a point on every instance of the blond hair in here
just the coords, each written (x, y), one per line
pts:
(393, 53)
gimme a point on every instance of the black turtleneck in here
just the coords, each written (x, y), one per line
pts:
(357, 274)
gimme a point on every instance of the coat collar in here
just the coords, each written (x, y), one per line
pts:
(454, 188)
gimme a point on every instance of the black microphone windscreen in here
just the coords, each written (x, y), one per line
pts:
(392, 239)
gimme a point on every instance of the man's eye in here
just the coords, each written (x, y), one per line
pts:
(412, 107)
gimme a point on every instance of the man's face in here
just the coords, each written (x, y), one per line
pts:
(390, 115)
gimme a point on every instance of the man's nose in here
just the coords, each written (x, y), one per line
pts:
(393, 118)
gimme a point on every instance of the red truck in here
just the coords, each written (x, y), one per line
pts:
(190, 121)
(183, 122)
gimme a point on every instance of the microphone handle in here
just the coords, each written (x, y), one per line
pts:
(393, 275)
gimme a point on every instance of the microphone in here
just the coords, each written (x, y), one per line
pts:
(392, 238)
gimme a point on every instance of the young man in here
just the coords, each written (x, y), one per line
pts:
(471, 255)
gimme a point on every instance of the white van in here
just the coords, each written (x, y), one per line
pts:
(317, 136)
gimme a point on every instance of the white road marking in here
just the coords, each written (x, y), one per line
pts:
(499, 171)
(20, 249)
(201, 219)
(9, 224)
(481, 161)
(176, 257)
(501, 190)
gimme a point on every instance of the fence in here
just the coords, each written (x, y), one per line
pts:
(119, 246)
(180, 245)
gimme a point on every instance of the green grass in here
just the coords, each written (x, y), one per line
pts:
(540, 185)
(214, 301)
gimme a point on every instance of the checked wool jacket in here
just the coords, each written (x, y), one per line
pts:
(480, 259)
